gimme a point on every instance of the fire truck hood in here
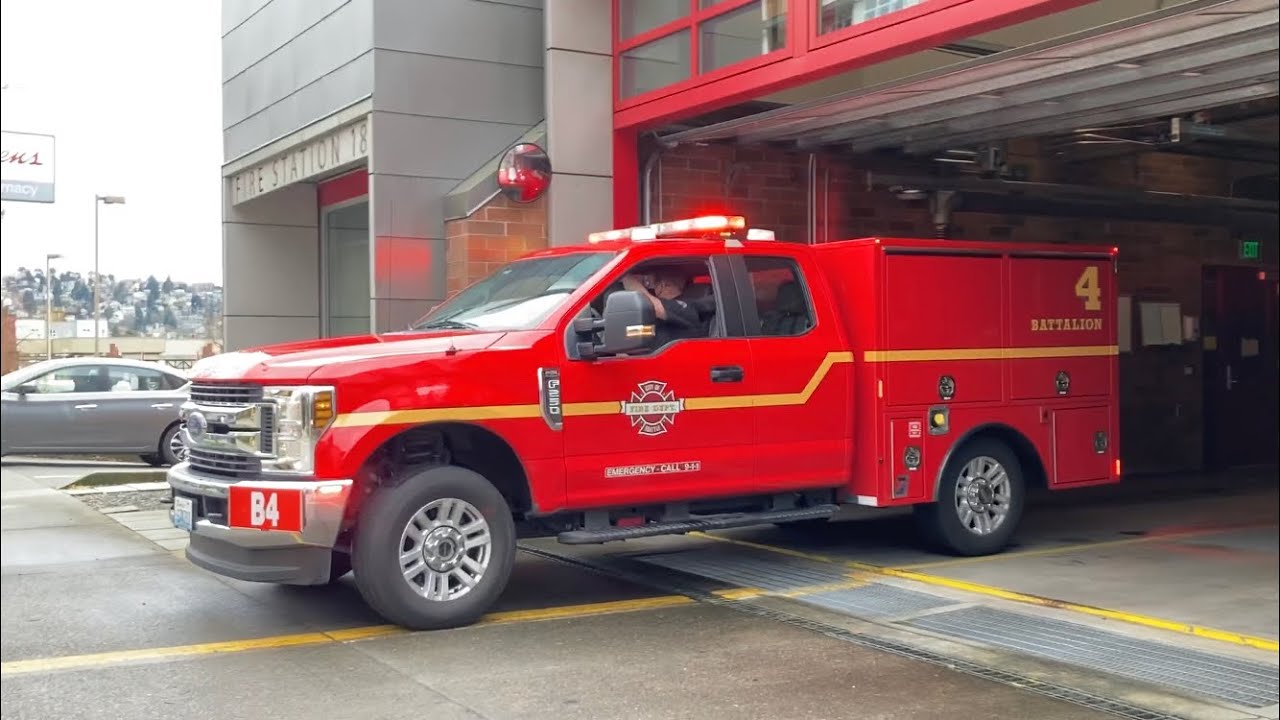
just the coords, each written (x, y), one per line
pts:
(296, 362)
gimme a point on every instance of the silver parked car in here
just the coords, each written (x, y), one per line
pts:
(94, 405)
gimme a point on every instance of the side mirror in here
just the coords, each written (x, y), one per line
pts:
(26, 388)
(628, 326)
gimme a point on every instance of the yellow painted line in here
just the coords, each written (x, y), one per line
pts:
(588, 610)
(1209, 633)
(750, 593)
(1018, 353)
(742, 593)
(345, 635)
(1079, 547)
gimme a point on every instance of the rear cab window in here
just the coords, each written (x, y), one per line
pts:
(781, 297)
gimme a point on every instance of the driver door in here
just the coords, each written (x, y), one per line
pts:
(672, 424)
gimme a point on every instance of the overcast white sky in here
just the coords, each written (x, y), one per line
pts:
(131, 89)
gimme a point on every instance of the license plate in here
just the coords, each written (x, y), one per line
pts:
(265, 509)
(184, 516)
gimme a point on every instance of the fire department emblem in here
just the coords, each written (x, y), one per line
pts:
(652, 408)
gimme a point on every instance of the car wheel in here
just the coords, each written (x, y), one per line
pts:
(172, 451)
(979, 501)
(436, 550)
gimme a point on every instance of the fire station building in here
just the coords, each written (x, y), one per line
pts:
(363, 139)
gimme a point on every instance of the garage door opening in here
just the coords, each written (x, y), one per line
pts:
(1152, 129)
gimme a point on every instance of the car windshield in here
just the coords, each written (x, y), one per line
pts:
(517, 297)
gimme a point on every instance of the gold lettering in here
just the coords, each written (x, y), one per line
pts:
(1065, 324)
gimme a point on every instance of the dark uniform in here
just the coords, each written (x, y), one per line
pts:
(686, 318)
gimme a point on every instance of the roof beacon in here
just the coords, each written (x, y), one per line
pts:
(699, 227)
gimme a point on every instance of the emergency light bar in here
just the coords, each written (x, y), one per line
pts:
(698, 226)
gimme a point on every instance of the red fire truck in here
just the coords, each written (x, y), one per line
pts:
(687, 375)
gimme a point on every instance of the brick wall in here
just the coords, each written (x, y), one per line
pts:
(1161, 388)
(497, 233)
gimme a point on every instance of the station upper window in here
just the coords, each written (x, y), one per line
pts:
(641, 16)
(655, 38)
(838, 14)
(755, 29)
(656, 64)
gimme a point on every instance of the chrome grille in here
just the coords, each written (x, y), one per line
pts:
(219, 463)
(267, 439)
(211, 394)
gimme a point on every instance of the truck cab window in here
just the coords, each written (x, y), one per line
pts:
(782, 300)
(682, 288)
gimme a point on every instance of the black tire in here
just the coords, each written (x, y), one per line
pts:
(940, 522)
(167, 454)
(379, 541)
(153, 460)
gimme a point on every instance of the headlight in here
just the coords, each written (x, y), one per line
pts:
(303, 413)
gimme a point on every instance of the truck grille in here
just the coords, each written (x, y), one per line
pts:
(226, 394)
(225, 464)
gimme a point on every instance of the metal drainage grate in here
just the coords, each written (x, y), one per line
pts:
(1224, 678)
(1024, 682)
(873, 600)
(876, 601)
(742, 570)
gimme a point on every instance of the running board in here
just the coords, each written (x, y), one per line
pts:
(709, 522)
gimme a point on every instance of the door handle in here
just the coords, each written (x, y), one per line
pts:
(89, 406)
(161, 406)
(726, 373)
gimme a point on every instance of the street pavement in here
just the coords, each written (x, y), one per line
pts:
(99, 621)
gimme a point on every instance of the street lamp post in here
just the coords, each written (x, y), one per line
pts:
(48, 305)
(105, 200)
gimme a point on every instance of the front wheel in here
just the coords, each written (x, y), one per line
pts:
(979, 501)
(436, 550)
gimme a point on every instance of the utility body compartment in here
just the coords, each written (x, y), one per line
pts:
(953, 338)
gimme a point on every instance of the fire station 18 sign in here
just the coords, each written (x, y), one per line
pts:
(320, 156)
(27, 167)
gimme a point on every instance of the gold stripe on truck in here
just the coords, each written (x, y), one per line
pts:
(726, 402)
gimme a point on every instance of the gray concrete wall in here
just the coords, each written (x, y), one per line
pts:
(455, 82)
(579, 82)
(288, 63)
(271, 268)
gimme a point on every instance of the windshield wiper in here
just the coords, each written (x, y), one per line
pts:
(449, 324)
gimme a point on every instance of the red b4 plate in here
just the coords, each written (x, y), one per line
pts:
(265, 509)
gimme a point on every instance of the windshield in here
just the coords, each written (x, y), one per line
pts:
(517, 297)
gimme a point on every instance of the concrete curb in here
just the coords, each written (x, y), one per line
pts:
(124, 485)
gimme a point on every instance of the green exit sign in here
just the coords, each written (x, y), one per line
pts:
(1248, 249)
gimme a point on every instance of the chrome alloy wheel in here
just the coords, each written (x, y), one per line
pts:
(177, 447)
(445, 549)
(983, 495)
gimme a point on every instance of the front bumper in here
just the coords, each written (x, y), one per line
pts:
(293, 558)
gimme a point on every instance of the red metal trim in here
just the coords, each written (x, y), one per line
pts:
(695, 40)
(626, 178)
(701, 15)
(649, 36)
(916, 11)
(342, 188)
(954, 20)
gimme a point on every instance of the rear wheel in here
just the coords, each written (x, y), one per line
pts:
(979, 503)
(436, 550)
